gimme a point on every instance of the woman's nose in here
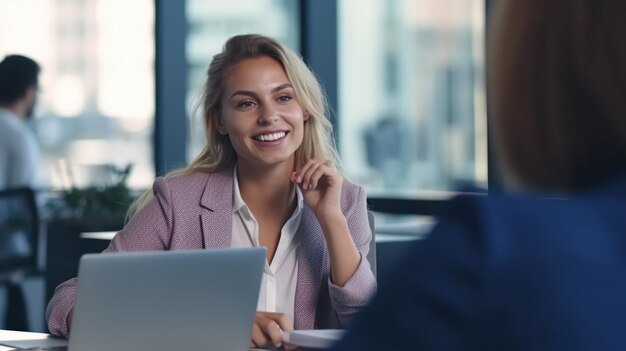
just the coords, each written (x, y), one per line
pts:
(268, 115)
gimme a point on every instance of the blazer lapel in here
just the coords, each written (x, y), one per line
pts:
(311, 260)
(217, 218)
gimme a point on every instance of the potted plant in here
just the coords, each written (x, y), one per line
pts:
(76, 210)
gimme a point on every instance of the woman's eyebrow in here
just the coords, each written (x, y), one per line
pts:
(253, 94)
(242, 92)
(281, 87)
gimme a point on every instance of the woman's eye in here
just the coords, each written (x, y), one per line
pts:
(284, 98)
(245, 105)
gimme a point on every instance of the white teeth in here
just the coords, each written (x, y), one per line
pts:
(270, 137)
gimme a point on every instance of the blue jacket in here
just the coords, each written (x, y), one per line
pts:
(508, 272)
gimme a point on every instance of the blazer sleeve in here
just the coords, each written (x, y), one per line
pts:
(359, 289)
(150, 229)
(436, 294)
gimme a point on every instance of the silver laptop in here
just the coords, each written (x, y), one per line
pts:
(167, 300)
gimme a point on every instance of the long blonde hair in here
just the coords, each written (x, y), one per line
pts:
(218, 154)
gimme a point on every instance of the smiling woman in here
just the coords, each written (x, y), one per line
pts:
(261, 116)
(266, 177)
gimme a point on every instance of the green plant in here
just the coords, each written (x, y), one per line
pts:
(107, 201)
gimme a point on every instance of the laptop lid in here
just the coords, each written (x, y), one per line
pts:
(167, 300)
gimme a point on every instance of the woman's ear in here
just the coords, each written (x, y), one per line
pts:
(306, 116)
(219, 126)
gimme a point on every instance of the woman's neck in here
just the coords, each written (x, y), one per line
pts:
(267, 189)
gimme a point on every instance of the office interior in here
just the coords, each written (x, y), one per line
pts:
(119, 92)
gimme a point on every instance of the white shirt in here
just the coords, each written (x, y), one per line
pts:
(278, 285)
(19, 152)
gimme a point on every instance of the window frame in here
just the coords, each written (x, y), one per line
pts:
(318, 38)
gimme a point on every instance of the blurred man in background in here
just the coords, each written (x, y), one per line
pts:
(19, 151)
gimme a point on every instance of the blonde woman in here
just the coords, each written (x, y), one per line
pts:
(266, 177)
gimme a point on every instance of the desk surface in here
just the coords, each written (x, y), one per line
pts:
(39, 339)
(390, 233)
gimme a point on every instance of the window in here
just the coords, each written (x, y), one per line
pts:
(96, 105)
(212, 22)
(411, 108)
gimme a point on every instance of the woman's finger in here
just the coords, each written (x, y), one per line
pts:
(258, 336)
(280, 318)
(302, 170)
(308, 177)
(317, 175)
(283, 321)
(275, 333)
(268, 329)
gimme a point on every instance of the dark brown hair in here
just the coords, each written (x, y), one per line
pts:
(17, 74)
(558, 90)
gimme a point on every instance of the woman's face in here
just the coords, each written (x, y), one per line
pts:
(260, 114)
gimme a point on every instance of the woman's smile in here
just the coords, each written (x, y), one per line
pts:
(270, 137)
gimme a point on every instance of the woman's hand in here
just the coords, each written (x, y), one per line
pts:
(320, 184)
(321, 187)
(267, 331)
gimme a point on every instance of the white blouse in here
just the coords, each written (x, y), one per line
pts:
(278, 285)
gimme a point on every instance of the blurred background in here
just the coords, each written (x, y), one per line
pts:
(120, 81)
(407, 92)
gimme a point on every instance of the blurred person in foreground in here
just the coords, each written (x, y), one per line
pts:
(541, 266)
(19, 151)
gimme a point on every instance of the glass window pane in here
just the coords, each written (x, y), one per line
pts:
(212, 22)
(96, 105)
(412, 95)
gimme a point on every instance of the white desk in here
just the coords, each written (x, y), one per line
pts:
(98, 235)
(40, 340)
(386, 233)
(32, 339)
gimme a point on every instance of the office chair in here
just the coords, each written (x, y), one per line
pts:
(19, 244)
(371, 256)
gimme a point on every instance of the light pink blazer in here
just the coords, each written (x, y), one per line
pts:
(195, 211)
